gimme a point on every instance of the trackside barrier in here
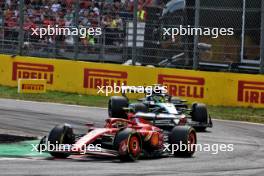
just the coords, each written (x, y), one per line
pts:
(226, 89)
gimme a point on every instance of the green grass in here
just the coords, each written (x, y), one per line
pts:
(226, 113)
(238, 114)
(55, 96)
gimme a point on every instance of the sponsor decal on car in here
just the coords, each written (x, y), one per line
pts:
(183, 86)
(23, 70)
(94, 78)
(251, 92)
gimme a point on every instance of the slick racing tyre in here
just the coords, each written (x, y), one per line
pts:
(116, 106)
(61, 134)
(128, 144)
(199, 114)
(182, 140)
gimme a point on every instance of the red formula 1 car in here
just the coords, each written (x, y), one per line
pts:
(126, 139)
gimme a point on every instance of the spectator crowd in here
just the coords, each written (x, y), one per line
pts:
(110, 15)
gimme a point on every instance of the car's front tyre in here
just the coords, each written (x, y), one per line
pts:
(116, 106)
(129, 145)
(184, 139)
(61, 134)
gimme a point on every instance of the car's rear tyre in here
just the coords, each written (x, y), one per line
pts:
(61, 134)
(199, 114)
(182, 141)
(116, 106)
(128, 144)
(139, 107)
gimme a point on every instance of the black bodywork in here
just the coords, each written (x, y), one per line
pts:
(163, 107)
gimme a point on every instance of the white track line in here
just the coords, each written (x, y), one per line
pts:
(14, 159)
(241, 122)
(52, 103)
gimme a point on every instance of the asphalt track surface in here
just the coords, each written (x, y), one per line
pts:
(38, 118)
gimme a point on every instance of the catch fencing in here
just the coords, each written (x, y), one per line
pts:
(133, 32)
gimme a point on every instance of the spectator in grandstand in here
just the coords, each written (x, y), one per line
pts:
(106, 25)
(110, 15)
(11, 22)
(56, 6)
(142, 14)
(118, 29)
(69, 16)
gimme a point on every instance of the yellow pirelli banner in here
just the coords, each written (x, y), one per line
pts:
(31, 86)
(213, 88)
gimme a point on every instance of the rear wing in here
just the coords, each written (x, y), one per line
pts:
(153, 116)
(159, 119)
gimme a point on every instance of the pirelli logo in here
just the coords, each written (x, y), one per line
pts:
(251, 92)
(38, 87)
(99, 77)
(32, 86)
(22, 70)
(183, 86)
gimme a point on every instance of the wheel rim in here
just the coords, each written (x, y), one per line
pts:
(191, 142)
(134, 146)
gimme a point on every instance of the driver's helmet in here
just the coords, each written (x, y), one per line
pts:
(158, 98)
(158, 95)
(159, 90)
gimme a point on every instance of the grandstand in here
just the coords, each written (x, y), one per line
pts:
(241, 52)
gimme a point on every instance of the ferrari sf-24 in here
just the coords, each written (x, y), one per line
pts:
(125, 139)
